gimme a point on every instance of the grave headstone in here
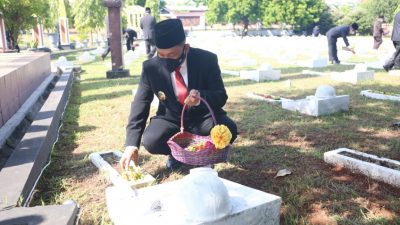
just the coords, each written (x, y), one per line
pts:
(86, 57)
(358, 74)
(265, 73)
(38, 35)
(114, 18)
(324, 102)
(3, 40)
(64, 31)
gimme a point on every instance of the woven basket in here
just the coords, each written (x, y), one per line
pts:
(208, 156)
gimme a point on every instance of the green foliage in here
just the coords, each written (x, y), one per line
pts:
(154, 5)
(135, 2)
(293, 12)
(89, 14)
(22, 14)
(233, 11)
(217, 10)
(366, 13)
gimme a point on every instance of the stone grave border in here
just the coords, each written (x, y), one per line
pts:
(98, 160)
(371, 94)
(256, 97)
(25, 165)
(372, 170)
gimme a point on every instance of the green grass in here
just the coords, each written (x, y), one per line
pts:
(270, 139)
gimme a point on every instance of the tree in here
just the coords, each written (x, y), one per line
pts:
(89, 15)
(233, 11)
(154, 5)
(293, 12)
(217, 10)
(135, 2)
(21, 15)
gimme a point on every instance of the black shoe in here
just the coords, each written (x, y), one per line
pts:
(172, 163)
(386, 68)
(335, 62)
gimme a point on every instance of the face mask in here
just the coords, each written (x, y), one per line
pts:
(172, 64)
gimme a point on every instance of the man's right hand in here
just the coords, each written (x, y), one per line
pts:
(130, 153)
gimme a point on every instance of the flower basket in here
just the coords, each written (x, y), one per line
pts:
(183, 139)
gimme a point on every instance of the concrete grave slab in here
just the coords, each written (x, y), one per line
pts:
(360, 162)
(98, 159)
(315, 63)
(358, 74)
(353, 77)
(260, 75)
(155, 205)
(22, 169)
(231, 72)
(380, 96)
(8, 127)
(318, 107)
(65, 214)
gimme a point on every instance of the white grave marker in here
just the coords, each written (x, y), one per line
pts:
(199, 198)
(324, 102)
(358, 74)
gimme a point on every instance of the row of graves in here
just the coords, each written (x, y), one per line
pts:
(324, 103)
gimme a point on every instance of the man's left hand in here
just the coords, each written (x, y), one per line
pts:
(193, 99)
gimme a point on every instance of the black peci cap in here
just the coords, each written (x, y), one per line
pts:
(169, 33)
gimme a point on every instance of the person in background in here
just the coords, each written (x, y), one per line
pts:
(378, 32)
(336, 32)
(130, 36)
(315, 31)
(394, 61)
(147, 23)
(178, 75)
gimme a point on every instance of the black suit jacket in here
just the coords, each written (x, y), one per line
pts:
(203, 74)
(339, 31)
(396, 28)
(147, 23)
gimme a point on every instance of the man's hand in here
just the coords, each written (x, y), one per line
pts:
(193, 99)
(130, 153)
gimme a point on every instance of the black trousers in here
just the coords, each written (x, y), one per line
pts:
(159, 131)
(150, 48)
(394, 61)
(377, 42)
(332, 49)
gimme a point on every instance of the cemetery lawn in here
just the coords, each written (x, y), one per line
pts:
(270, 139)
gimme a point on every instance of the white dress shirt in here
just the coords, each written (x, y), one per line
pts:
(184, 73)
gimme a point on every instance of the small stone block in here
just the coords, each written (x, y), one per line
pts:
(369, 169)
(260, 75)
(351, 76)
(111, 74)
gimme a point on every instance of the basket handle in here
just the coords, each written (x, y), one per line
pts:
(208, 106)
